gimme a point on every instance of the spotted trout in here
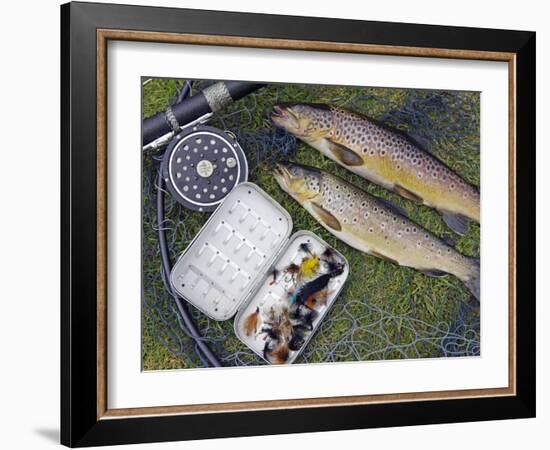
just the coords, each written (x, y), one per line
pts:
(384, 156)
(367, 223)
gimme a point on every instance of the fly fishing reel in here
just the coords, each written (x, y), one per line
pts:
(201, 165)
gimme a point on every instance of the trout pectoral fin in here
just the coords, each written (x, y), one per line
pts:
(434, 273)
(327, 217)
(344, 154)
(404, 192)
(381, 256)
(456, 222)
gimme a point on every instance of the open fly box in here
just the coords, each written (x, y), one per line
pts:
(244, 262)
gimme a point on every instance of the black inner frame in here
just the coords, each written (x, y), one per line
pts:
(79, 424)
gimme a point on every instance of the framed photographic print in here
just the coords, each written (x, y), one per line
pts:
(321, 224)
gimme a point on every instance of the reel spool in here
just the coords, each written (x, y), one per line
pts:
(202, 165)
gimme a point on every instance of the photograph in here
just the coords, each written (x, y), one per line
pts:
(307, 224)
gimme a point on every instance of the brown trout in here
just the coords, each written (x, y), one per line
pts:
(385, 157)
(368, 224)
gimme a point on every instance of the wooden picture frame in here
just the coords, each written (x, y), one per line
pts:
(86, 418)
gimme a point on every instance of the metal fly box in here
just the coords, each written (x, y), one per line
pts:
(239, 264)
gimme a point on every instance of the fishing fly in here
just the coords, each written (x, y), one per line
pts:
(294, 304)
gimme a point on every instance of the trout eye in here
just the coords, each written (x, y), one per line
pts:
(295, 171)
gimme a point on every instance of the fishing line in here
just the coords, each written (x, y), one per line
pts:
(190, 328)
(200, 166)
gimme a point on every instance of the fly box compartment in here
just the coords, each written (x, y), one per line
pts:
(291, 300)
(237, 244)
(243, 262)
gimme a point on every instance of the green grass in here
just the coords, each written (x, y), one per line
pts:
(402, 292)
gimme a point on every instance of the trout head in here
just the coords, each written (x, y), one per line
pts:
(302, 183)
(308, 122)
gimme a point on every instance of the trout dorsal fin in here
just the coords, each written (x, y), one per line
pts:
(344, 155)
(393, 206)
(327, 217)
(414, 138)
(419, 140)
(404, 192)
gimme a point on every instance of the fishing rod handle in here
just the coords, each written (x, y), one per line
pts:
(212, 99)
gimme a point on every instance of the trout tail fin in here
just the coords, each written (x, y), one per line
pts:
(473, 277)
